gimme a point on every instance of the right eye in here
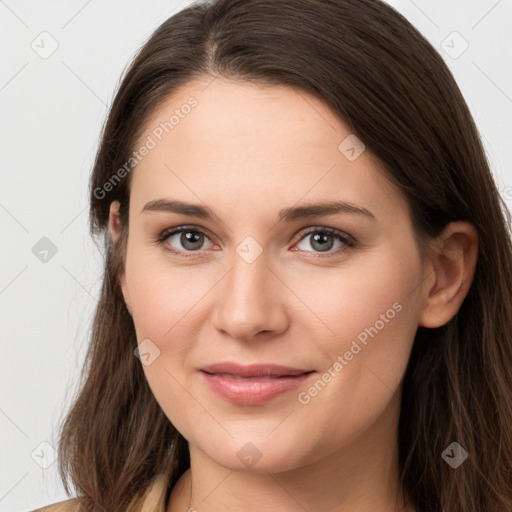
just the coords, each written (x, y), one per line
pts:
(190, 239)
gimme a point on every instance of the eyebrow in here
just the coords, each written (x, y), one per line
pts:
(285, 215)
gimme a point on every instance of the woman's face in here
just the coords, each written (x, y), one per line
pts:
(259, 276)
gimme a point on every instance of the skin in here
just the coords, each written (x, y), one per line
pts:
(248, 151)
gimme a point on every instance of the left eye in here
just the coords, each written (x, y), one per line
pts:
(324, 239)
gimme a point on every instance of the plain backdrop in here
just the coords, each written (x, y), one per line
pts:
(61, 62)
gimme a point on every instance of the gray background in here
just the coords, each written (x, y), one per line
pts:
(52, 110)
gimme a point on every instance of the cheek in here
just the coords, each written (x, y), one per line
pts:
(162, 296)
(372, 319)
(343, 301)
(367, 315)
(163, 302)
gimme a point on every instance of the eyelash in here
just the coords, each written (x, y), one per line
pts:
(339, 235)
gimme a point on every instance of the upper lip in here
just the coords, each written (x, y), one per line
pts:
(253, 370)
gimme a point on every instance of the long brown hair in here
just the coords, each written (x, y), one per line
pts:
(393, 90)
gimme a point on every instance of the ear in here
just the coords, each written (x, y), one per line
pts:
(115, 227)
(453, 261)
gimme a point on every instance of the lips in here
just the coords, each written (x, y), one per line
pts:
(252, 384)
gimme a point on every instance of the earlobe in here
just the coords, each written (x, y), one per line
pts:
(453, 262)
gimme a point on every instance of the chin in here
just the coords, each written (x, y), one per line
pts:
(260, 455)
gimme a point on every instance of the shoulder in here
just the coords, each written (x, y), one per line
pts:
(153, 499)
(71, 505)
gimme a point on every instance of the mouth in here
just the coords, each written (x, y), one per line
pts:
(253, 384)
(238, 377)
(254, 370)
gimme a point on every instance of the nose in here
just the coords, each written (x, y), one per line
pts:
(251, 301)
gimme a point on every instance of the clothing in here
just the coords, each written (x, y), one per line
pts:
(153, 500)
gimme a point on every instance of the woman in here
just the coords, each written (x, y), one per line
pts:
(307, 293)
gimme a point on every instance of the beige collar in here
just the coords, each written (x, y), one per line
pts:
(154, 499)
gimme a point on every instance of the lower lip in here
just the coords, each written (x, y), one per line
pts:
(252, 391)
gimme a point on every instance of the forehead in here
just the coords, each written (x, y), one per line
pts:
(247, 145)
